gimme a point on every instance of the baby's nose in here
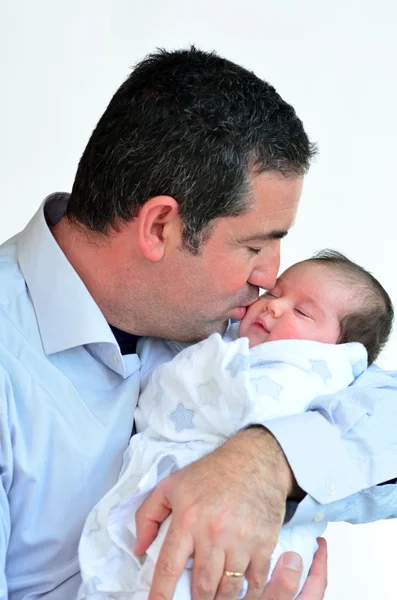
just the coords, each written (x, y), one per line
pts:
(275, 308)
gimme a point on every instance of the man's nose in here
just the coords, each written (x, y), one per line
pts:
(264, 273)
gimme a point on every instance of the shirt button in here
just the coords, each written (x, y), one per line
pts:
(330, 489)
(319, 517)
(115, 357)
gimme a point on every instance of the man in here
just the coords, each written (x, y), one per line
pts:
(190, 180)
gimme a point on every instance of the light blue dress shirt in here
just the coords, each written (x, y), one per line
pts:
(67, 398)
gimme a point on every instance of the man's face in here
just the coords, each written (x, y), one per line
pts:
(200, 293)
(305, 304)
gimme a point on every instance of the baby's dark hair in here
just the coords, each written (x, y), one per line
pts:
(370, 321)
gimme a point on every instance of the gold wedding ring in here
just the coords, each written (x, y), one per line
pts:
(233, 574)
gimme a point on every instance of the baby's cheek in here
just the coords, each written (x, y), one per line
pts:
(295, 331)
(243, 328)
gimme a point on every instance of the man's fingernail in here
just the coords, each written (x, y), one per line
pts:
(292, 561)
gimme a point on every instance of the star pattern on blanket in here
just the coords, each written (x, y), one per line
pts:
(319, 367)
(239, 363)
(264, 386)
(182, 418)
(93, 524)
(209, 393)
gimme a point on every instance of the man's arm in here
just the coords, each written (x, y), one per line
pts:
(349, 449)
(227, 508)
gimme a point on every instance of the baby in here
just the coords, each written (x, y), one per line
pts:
(295, 343)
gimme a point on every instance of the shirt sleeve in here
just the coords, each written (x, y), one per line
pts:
(374, 504)
(5, 479)
(345, 443)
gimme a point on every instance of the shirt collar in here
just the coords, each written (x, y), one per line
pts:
(67, 315)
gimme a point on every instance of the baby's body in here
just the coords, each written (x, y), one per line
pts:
(287, 356)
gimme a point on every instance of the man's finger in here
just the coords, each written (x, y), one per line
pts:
(257, 574)
(316, 582)
(148, 517)
(229, 585)
(208, 567)
(286, 577)
(175, 552)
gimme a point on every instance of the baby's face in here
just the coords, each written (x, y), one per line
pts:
(306, 304)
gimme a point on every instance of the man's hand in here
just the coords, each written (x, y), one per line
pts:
(316, 582)
(287, 573)
(227, 510)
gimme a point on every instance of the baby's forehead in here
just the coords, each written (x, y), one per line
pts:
(314, 277)
(308, 267)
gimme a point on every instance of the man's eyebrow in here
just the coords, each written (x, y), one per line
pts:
(264, 237)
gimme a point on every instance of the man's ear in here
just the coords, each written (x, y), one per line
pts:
(158, 223)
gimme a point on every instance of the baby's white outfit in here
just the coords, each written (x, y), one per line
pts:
(187, 408)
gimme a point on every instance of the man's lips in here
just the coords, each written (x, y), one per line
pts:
(239, 312)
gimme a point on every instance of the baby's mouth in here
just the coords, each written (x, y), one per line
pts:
(261, 324)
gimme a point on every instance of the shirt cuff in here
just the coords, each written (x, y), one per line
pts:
(317, 456)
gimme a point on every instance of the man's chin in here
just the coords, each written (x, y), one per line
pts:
(203, 332)
(219, 327)
(214, 327)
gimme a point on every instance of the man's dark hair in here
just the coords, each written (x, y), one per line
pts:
(191, 125)
(371, 318)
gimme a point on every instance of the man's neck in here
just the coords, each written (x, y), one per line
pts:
(94, 258)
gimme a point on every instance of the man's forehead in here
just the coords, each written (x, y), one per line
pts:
(266, 184)
(275, 199)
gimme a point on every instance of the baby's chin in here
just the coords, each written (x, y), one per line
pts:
(257, 337)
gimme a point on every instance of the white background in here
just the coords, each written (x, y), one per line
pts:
(335, 61)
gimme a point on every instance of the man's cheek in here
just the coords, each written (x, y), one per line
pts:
(235, 284)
